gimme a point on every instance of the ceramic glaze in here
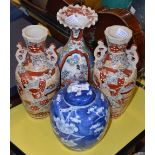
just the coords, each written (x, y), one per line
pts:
(115, 71)
(76, 60)
(37, 73)
(79, 115)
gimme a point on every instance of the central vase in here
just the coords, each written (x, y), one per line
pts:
(76, 60)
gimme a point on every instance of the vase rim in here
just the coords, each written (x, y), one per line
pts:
(118, 34)
(77, 17)
(35, 33)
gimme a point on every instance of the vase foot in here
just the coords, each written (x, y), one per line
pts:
(115, 116)
(39, 115)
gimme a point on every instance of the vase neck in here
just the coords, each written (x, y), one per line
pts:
(35, 48)
(119, 54)
(36, 60)
(77, 35)
(116, 49)
(118, 59)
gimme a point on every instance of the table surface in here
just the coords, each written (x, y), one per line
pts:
(36, 137)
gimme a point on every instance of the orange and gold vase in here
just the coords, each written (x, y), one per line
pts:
(115, 69)
(37, 73)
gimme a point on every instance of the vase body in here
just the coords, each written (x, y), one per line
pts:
(76, 60)
(115, 69)
(79, 115)
(37, 73)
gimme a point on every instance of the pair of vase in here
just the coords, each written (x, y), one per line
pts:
(79, 112)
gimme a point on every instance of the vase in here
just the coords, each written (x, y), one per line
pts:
(37, 72)
(76, 60)
(79, 115)
(115, 69)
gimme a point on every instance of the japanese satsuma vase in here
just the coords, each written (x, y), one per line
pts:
(115, 69)
(37, 73)
(76, 60)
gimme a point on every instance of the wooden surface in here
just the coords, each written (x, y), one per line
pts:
(35, 137)
(91, 3)
(17, 2)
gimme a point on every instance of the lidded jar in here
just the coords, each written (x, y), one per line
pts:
(37, 73)
(79, 115)
(115, 71)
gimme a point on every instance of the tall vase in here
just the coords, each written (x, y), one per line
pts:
(37, 73)
(76, 60)
(115, 70)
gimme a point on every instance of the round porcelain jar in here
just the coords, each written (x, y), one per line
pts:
(79, 115)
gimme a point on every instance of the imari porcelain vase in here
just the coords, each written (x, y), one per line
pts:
(115, 69)
(79, 115)
(76, 60)
(37, 73)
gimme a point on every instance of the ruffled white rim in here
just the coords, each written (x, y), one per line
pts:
(61, 17)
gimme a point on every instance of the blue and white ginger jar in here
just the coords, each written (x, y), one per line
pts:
(79, 115)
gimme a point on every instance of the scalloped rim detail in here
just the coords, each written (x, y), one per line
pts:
(61, 17)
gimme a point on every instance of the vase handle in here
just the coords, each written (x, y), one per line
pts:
(132, 56)
(100, 51)
(20, 53)
(52, 54)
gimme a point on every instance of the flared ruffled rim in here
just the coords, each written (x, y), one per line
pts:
(89, 16)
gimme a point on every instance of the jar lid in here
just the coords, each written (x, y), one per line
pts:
(79, 94)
